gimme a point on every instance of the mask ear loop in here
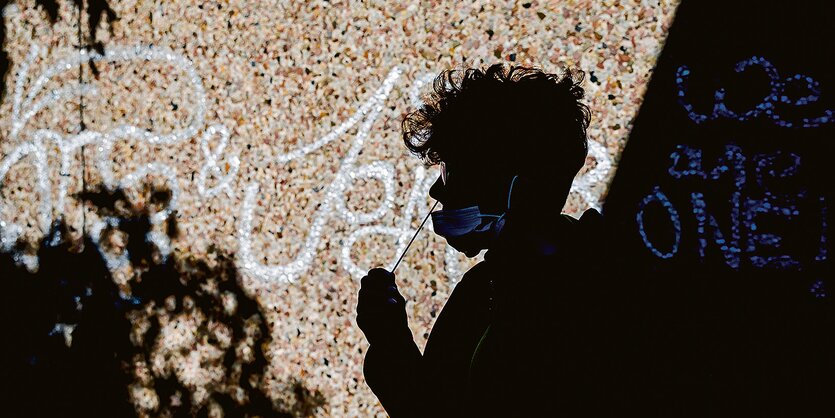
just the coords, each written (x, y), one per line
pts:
(509, 192)
(501, 218)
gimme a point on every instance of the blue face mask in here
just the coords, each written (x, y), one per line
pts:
(467, 229)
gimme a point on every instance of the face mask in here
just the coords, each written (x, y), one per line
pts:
(467, 229)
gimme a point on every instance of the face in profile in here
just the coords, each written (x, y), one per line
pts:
(461, 190)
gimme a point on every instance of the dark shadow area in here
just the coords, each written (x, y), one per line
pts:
(76, 342)
(96, 9)
(719, 217)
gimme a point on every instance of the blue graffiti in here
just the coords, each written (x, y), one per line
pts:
(818, 289)
(730, 249)
(745, 237)
(658, 196)
(767, 106)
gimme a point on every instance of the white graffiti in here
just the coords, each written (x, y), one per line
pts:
(211, 163)
(23, 110)
(334, 202)
(213, 143)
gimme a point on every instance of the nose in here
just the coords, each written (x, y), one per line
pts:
(437, 190)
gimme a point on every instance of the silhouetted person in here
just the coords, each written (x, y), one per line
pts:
(521, 333)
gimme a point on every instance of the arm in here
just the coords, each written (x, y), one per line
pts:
(393, 373)
(392, 365)
(407, 383)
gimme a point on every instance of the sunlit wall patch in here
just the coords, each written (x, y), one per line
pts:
(213, 145)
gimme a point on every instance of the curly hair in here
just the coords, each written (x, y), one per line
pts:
(518, 121)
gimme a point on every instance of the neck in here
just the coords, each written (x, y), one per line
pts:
(532, 233)
(530, 208)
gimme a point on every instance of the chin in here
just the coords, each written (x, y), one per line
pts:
(464, 247)
(471, 253)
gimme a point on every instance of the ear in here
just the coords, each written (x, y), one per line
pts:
(540, 191)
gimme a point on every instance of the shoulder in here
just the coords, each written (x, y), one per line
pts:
(475, 277)
(590, 229)
(474, 285)
(463, 317)
(591, 219)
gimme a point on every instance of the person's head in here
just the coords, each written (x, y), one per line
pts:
(489, 126)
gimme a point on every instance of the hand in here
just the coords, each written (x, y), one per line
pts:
(381, 309)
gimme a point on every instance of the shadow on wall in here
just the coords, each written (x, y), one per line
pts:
(95, 10)
(79, 344)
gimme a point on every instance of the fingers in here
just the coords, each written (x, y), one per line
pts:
(377, 277)
(377, 285)
(395, 296)
(381, 309)
(378, 293)
(379, 299)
